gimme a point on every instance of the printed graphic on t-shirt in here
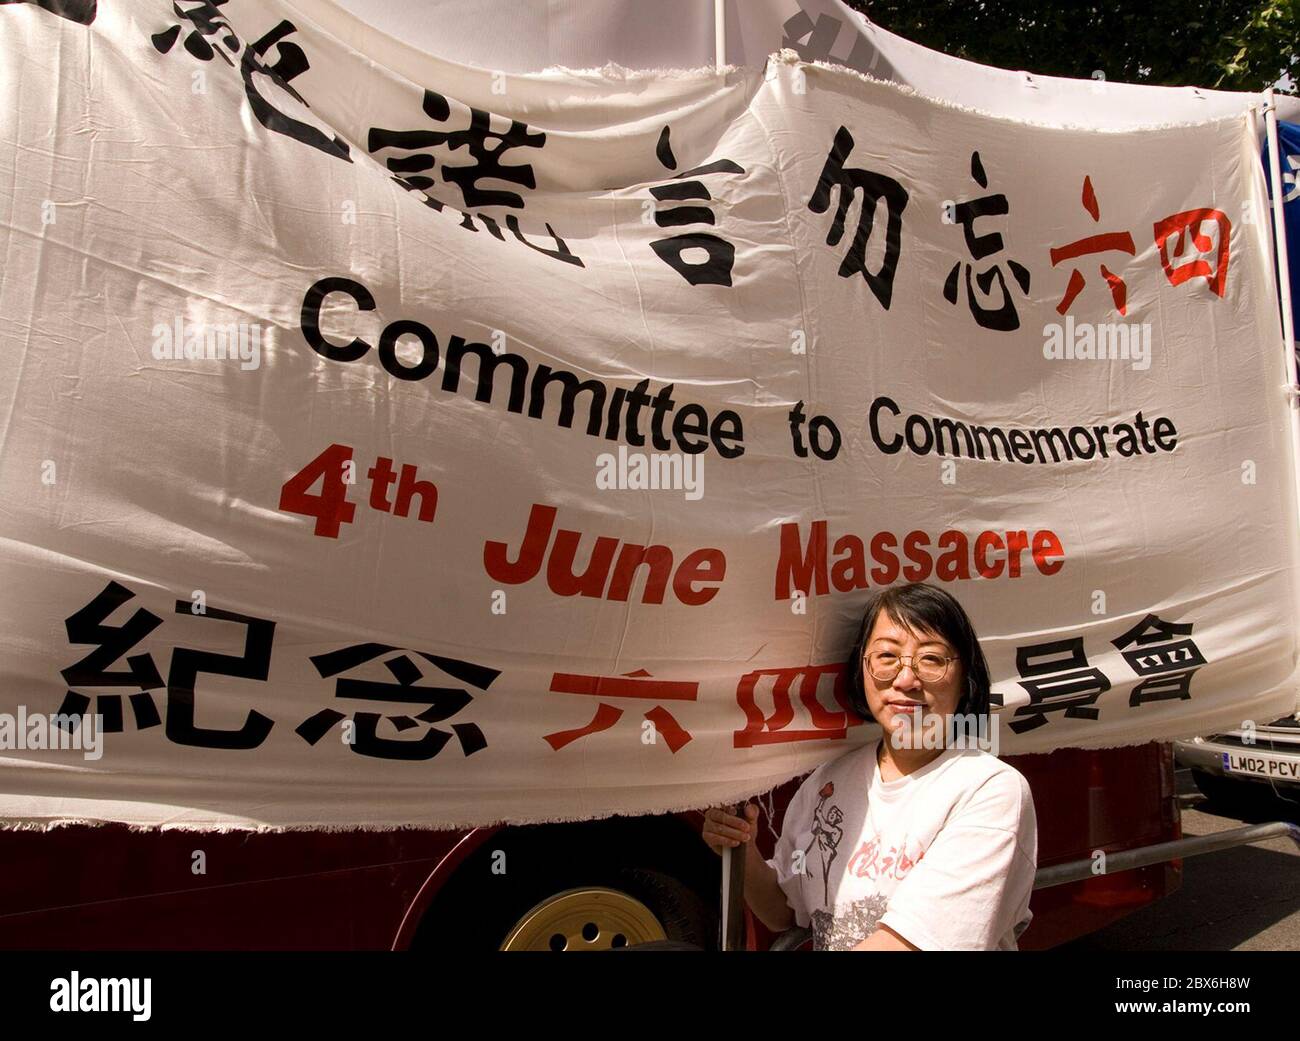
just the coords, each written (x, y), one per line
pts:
(841, 927)
(826, 834)
(862, 839)
(873, 861)
(853, 924)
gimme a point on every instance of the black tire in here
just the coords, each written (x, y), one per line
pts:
(682, 912)
(477, 910)
(1220, 791)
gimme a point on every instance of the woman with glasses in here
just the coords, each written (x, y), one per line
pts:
(920, 840)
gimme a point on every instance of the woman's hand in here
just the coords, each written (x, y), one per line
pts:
(723, 829)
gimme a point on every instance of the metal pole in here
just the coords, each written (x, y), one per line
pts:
(733, 892)
(1127, 860)
(1284, 284)
(733, 860)
(719, 33)
(1279, 233)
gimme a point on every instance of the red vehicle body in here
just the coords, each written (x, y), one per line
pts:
(107, 887)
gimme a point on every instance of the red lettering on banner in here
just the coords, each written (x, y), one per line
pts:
(705, 567)
(913, 549)
(882, 546)
(330, 507)
(1179, 225)
(986, 541)
(1046, 546)
(335, 469)
(955, 563)
(804, 571)
(1017, 543)
(801, 567)
(633, 685)
(827, 724)
(1103, 242)
(638, 684)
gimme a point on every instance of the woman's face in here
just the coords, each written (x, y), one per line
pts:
(894, 702)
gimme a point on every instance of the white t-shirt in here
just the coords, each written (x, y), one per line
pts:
(945, 856)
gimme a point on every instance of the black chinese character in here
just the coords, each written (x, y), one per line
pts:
(291, 62)
(188, 664)
(714, 269)
(484, 145)
(874, 187)
(80, 11)
(1167, 663)
(1002, 317)
(208, 23)
(815, 41)
(88, 626)
(561, 251)
(442, 702)
(1057, 678)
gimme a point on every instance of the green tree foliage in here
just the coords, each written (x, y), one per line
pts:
(1224, 44)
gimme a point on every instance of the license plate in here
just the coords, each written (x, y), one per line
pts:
(1261, 764)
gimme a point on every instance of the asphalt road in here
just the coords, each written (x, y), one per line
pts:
(1242, 899)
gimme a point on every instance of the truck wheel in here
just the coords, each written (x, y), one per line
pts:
(588, 899)
(639, 906)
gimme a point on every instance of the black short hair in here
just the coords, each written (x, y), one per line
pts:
(925, 608)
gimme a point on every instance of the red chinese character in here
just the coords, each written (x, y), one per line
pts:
(636, 684)
(905, 863)
(864, 863)
(1215, 274)
(827, 723)
(1120, 241)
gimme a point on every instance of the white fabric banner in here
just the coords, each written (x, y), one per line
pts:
(387, 441)
(532, 35)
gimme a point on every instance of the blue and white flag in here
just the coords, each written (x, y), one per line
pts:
(1288, 143)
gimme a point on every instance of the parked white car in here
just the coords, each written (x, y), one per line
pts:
(1268, 755)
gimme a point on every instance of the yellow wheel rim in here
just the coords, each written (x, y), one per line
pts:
(587, 919)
